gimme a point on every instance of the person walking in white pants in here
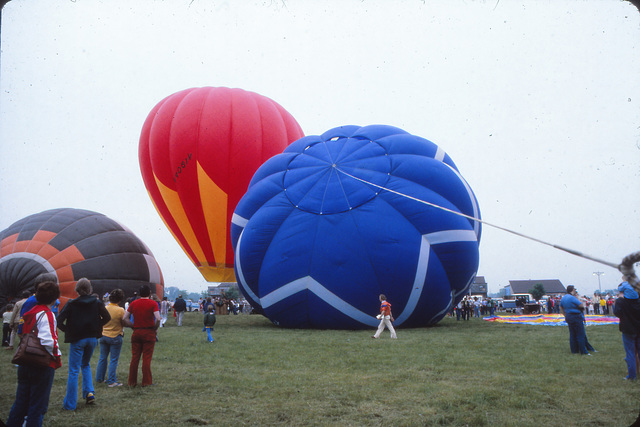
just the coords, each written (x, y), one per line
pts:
(165, 305)
(386, 318)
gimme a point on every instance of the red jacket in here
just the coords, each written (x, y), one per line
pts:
(385, 308)
(47, 331)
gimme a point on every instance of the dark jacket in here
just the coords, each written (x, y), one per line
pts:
(628, 310)
(210, 319)
(180, 305)
(83, 317)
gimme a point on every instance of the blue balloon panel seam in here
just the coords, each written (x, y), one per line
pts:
(346, 238)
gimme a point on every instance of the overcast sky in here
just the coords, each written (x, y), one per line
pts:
(537, 102)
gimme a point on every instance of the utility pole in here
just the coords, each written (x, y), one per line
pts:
(599, 273)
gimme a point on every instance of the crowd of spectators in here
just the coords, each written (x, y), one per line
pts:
(479, 306)
(471, 306)
(602, 304)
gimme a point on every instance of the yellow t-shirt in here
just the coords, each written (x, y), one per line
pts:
(113, 328)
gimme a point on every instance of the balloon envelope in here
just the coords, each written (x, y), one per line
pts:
(317, 238)
(198, 150)
(74, 243)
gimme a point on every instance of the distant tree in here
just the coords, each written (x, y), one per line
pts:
(204, 294)
(171, 292)
(194, 296)
(232, 293)
(537, 291)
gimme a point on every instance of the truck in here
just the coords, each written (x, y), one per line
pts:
(509, 301)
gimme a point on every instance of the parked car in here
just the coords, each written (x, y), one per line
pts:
(192, 305)
(509, 305)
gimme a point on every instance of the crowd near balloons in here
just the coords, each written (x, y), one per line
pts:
(319, 231)
(91, 322)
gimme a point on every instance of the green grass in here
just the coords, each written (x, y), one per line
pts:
(472, 373)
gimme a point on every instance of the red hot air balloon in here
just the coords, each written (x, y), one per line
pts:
(198, 150)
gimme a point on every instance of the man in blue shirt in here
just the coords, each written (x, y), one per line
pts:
(627, 308)
(572, 309)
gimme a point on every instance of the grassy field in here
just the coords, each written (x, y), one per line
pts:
(457, 373)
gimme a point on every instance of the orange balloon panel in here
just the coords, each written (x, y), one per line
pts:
(74, 243)
(199, 149)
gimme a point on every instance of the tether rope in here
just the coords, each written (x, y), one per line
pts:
(626, 267)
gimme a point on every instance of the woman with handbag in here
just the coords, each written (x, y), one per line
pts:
(34, 382)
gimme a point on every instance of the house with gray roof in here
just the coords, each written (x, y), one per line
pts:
(551, 287)
(478, 287)
(218, 289)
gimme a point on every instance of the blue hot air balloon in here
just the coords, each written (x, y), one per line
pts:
(337, 219)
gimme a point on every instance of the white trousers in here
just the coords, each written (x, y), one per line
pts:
(385, 321)
(180, 314)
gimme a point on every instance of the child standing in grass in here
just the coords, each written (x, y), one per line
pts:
(6, 324)
(209, 321)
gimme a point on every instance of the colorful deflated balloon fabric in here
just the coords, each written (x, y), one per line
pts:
(550, 320)
(74, 243)
(314, 246)
(198, 150)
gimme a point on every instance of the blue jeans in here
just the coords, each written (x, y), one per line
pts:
(577, 335)
(32, 396)
(113, 346)
(209, 337)
(631, 344)
(79, 356)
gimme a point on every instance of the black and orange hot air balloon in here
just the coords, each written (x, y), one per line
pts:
(74, 243)
(198, 150)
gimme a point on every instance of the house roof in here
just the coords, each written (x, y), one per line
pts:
(223, 286)
(479, 286)
(523, 286)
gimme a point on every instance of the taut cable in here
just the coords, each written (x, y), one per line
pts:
(562, 248)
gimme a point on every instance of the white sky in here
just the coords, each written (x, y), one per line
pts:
(537, 102)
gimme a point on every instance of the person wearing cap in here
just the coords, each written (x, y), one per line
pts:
(572, 309)
(626, 289)
(627, 309)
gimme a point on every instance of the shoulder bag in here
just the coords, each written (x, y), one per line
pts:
(30, 351)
